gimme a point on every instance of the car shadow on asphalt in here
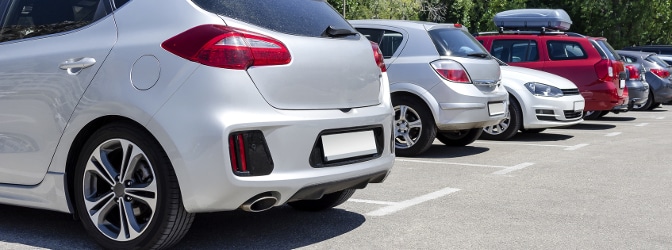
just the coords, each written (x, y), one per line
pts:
(278, 228)
(439, 150)
(616, 118)
(540, 137)
(591, 126)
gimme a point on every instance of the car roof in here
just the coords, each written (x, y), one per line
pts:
(408, 24)
(635, 53)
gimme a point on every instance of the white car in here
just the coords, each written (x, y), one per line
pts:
(537, 100)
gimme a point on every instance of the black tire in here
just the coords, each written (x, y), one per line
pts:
(654, 106)
(647, 105)
(508, 127)
(327, 201)
(460, 137)
(591, 115)
(533, 130)
(414, 128)
(146, 188)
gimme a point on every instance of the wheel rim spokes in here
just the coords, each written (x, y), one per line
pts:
(498, 128)
(120, 190)
(407, 126)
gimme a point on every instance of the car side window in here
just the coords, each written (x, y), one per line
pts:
(565, 50)
(515, 50)
(119, 3)
(388, 41)
(31, 18)
(628, 59)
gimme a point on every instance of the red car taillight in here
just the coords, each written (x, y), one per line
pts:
(451, 71)
(662, 73)
(605, 70)
(226, 47)
(634, 73)
(378, 55)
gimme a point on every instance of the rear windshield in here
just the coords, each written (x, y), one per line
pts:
(457, 42)
(658, 61)
(609, 52)
(298, 17)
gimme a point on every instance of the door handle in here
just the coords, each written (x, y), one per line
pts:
(74, 66)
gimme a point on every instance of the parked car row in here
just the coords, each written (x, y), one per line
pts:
(134, 123)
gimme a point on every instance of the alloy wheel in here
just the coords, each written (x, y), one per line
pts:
(120, 190)
(407, 126)
(498, 128)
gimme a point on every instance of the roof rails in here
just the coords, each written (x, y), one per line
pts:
(542, 31)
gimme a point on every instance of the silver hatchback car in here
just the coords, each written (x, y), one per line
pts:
(134, 122)
(444, 84)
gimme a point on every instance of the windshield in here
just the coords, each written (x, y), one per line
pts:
(457, 42)
(608, 50)
(301, 17)
(655, 59)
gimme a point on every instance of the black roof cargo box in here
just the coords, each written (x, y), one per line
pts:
(527, 19)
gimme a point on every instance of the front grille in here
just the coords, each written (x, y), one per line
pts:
(570, 91)
(571, 114)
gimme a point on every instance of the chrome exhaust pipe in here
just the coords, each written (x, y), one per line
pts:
(259, 203)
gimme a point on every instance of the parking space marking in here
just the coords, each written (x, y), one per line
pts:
(641, 124)
(660, 117)
(389, 203)
(450, 163)
(613, 134)
(514, 168)
(398, 206)
(537, 145)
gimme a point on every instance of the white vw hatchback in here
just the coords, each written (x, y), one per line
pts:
(537, 100)
(135, 115)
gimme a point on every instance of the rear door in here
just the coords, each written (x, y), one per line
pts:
(49, 52)
(570, 58)
(518, 52)
(332, 64)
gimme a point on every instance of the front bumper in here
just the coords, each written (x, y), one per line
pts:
(548, 112)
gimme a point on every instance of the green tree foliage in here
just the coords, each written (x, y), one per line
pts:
(622, 22)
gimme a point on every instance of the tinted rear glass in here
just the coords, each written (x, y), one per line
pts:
(298, 17)
(658, 61)
(608, 50)
(456, 42)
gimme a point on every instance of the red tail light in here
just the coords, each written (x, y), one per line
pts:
(605, 70)
(249, 154)
(634, 73)
(378, 55)
(226, 47)
(451, 71)
(662, 73)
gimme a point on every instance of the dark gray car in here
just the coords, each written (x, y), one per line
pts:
(657, 75)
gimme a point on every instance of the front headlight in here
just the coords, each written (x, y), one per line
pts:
(540, 89)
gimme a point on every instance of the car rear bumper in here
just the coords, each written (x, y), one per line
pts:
(463, 106)
(195, 124)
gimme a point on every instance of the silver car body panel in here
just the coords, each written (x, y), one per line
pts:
(455, 106)
(191, 109)
(514, 78)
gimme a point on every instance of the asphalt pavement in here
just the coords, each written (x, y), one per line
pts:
(602, 184)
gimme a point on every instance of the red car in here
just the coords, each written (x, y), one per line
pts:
(590, 62)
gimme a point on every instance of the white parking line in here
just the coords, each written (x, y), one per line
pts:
(613, 134)
(537, 145)
(398, 206)
(660, 117)
(389, 203)
(505, 169)
(449, 163)
(641, 124)
(514, 168)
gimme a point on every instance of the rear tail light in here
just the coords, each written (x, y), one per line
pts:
(451, 71)
(605, 70)
(634, 72)
(662, 73)
(226, 47)
(249, 154)
(378, 55)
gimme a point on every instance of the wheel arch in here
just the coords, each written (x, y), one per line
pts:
(76, 149)
(419, 93)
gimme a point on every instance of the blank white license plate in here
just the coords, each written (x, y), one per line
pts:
(496, 108)
(346, 145)
(621, 83)
(578, 106)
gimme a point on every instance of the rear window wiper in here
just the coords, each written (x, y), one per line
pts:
(481, 55)
(335, 32)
